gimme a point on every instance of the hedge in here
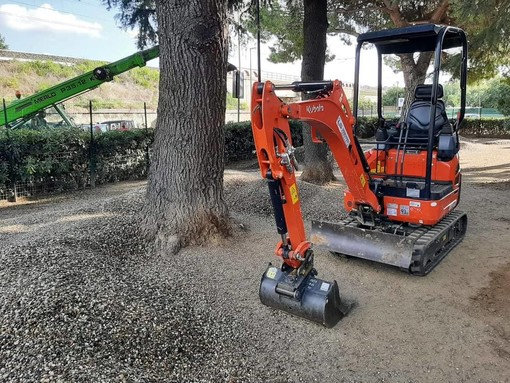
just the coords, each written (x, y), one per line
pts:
(60, 157)
(485, 127)
(239, 143)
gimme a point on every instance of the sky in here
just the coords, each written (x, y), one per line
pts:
(86, 29)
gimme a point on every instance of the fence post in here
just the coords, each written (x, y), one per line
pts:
(92, 152)
(12, 173)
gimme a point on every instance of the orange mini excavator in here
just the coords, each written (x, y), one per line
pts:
(401, 193)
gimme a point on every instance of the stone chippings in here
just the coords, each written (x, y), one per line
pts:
(79, 304)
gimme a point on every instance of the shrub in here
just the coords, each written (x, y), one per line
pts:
(239, 143)
(145, 77)
(486, 127)
(60, 157)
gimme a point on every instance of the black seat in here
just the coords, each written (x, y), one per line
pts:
(419, 112)
(417, 133)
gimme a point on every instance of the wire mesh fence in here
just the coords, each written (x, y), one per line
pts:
(48, 161)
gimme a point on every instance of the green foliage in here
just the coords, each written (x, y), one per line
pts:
(43, 156)
(145, 77)
(488, 27)
(140, 14)
(493, 94)
(3, 45)
(98, 104)
(232, 103)
(239, 143)
(282, 25)
(10, 82)
(121, 155)
(496, 95)
(43, 85)
(61, 157)
(486, 127)
(486, 23)
(87, 66)
(366, 126)
(390, 96)
(46, 68)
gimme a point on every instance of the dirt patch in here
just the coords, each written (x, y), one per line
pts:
(495, 299)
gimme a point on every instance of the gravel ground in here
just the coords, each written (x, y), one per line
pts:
(82, 299)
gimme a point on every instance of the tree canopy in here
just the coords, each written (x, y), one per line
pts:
(486, 23)
(3, 45)
(141, 15)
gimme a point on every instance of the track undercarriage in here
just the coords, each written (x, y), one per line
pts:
(416, 249)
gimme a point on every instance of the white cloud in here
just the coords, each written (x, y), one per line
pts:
(45, 18)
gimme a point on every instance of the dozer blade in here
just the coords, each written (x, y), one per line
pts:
(363, 243)
(303, 296)
(417, 250)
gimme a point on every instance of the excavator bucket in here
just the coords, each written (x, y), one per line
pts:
(303, 296)
(416, 250)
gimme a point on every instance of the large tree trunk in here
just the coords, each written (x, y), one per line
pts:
(317, 168)
(185, 190)
(414, 74)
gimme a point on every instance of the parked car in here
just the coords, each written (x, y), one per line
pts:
(119, 125)
(97, 127)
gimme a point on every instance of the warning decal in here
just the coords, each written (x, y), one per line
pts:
(294, 193)
(271, 272)
(362, 180)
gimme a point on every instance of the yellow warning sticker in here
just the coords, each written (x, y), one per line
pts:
(271, 272)
(293, 193)
(362, 180)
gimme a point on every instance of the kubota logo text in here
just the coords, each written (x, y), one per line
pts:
(315, 108)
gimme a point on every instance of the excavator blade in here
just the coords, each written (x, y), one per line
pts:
(363, 243)
(416, 250)
(303, 296)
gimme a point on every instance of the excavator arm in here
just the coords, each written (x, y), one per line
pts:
(330, 117)
(294, 288)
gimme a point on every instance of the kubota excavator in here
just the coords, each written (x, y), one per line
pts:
(401, 194)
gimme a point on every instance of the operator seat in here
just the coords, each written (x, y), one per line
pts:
(418, 116)
(445, 141)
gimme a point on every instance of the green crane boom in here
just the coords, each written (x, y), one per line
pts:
(26, 107)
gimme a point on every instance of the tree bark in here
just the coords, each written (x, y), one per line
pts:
(414, 74)
(317, 168)
(185, 203)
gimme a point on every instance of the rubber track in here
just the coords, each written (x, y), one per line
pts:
(428, 247)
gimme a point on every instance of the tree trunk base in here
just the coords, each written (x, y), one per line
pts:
(208, 229)
(318, 174)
